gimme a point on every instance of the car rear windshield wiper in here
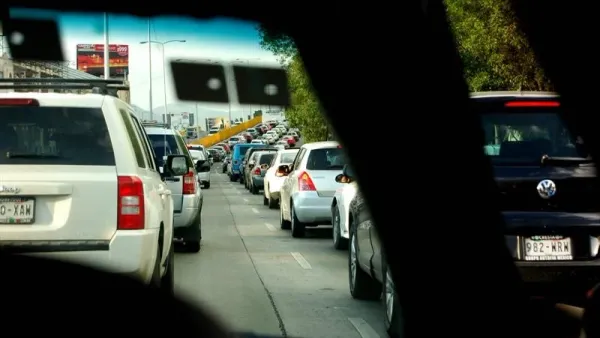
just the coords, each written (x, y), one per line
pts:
(31, 155)
(548, 160)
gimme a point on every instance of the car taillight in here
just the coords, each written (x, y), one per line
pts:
(305, 183)
(131, 214)
(189, 183)
(257, 171)
(19, 102)
(518, 104)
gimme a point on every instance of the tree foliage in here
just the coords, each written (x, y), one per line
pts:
(495, 53)
(305, 111)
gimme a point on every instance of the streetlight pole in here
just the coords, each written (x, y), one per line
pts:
(162, 44)
(150, 70)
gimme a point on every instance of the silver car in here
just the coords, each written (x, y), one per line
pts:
(202, 168)
(257, 174)
(307, 192)
(185, 190)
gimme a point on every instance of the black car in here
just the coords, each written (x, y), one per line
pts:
(547, 195)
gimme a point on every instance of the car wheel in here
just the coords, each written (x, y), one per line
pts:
(298, 228)
(285, 225)
(339, 242)
(272, 203)
(362, 286)
(207, 185)
(265, 200)
(167, 282)
(254, 190)
(391, 307)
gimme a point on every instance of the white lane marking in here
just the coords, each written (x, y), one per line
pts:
(301, 260)
(270, 226)
(239, 192)
(245, 200)
(364, 329)
(254, 210)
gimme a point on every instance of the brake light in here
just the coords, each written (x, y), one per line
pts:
(517, 104)
(305, 183)
(189, 183)
(257, 171)
(339, 146)
(189, 146)
(19, 102)
(131, 214)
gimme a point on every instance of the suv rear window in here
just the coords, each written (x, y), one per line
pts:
(527, 136)
(326, 159)
(55, 136)
(164, 145)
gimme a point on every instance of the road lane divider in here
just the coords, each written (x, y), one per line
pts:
(270, 226)
(364, 329)
(301, 260)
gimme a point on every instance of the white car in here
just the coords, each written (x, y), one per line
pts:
(202, 168)
(234, 140)
(272, 181)
(340, 214)
(80, 183)
(307, 192)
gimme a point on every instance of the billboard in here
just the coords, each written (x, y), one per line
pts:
(90, 59)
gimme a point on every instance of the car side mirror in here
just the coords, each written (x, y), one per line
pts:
(341, 178)
(348, 172)
(176, 165)
(283, 170)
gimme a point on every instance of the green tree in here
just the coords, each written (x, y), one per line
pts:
(305, 111)
(495, 53)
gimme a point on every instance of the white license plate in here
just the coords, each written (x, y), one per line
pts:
(17, 210)
(548, 248)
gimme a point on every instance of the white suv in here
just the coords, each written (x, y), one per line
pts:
(79, 182)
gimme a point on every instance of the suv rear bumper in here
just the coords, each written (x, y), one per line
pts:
(130, 252)
(562, 279)
(190, 208)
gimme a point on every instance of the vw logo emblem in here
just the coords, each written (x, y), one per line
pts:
(546, 189)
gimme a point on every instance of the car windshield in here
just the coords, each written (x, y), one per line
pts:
(288, 157)
(54, 136)
(164, 145)
(266, 158)
(326, 159)
(527, 137)
(197, 155)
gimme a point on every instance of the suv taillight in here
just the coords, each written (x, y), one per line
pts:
(189, 183)
(305, 183)
(131, 214)
(257, 171)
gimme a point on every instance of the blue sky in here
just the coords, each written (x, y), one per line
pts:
(218, 40)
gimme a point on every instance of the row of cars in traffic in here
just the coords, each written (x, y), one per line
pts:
(547, 196)
(313, 185)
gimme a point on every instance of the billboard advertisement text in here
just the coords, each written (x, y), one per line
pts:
(90, 59)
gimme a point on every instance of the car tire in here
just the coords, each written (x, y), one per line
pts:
(265, 200)
(298, 228)
(232, 178)
(207, 185)
(167, 282)
(156, 279)
(391, 307)
(272, 203)
(254, 190)
(362, 285)
(339, 242)
(192, 245)
(284, 224)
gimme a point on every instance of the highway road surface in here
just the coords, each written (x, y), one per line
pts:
(256, 277)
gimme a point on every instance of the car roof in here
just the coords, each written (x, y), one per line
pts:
(320, 145)
(515, 94)
(62, 99)
(159, 131)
